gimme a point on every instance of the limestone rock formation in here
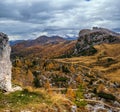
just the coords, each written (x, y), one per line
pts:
(5, 63)
(88, 38)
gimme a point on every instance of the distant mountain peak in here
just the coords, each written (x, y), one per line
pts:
(41, 40)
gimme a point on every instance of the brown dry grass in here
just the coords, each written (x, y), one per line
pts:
(44, 51)
(98, 62)
(114, 76)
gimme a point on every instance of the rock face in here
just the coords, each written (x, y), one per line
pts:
(88, 38)
(5, 63)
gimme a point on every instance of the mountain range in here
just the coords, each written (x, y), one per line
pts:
(67, 37)
(43, 45)
(91, 63)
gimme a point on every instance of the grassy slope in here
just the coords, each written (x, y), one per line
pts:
(34, 100)
(107, 60)
(47, 51)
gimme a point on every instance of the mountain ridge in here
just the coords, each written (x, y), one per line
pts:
(14, 42)
(53, 65)
(88, 38)
(84, 45)
(41, 40)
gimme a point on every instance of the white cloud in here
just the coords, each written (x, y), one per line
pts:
(14, 37)
(29, 17)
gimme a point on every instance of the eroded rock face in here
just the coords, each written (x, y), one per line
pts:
(88, 38)
(5, 63)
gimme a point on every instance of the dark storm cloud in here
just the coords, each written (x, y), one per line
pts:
(27, 18)
(26, 11)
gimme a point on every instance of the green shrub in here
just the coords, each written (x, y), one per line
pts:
(79, 96)
(36, 82)
(65, 69)
(60, 79)
(106, 96)
(80, 103)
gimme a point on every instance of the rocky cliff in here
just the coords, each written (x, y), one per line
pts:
(5, 63)
(88, 38)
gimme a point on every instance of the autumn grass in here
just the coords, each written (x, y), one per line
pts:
(106, 61)
(21, 99)
(32, 99)
(114, 76)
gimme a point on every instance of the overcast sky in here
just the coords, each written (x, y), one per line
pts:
(27, 19)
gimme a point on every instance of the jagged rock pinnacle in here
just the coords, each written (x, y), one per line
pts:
(5, 63)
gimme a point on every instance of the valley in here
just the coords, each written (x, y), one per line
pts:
(82, 75)
(59, 56)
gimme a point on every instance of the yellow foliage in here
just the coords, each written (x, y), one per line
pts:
(47, 85)
(70, 93)
(50, 66)
(72, 69)
(27, 62)
(100, 88)
(28, 78)
(79, 79)
(18, 63)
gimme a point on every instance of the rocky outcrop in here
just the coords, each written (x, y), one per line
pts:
(88, 38)
(5, 63)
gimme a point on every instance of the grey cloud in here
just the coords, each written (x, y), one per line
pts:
(29, 17)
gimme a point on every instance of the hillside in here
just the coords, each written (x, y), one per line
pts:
(44, 47)
(88, 78)
(42, 40)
